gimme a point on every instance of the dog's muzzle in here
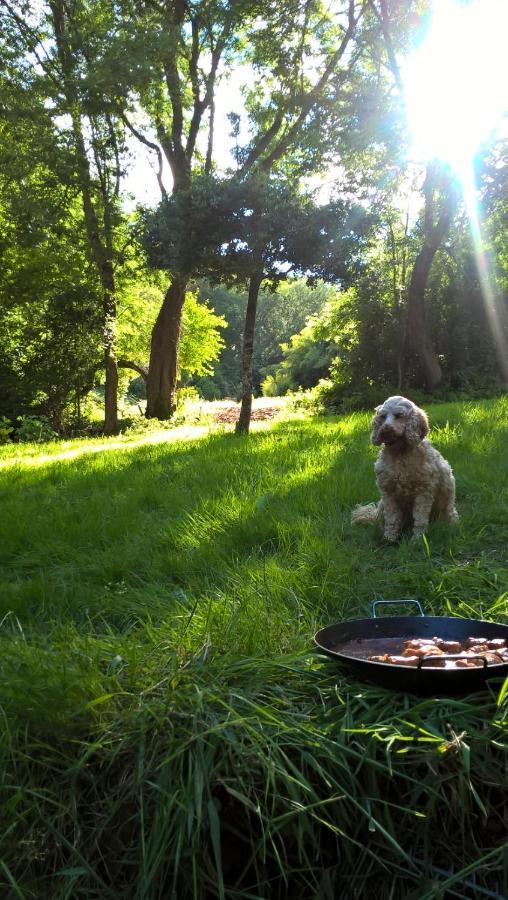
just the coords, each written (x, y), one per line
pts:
(388, 436)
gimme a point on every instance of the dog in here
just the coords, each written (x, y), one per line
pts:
(416, 483)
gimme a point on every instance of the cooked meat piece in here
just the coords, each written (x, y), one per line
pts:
(395, 660)
(468, 663)
(474, 641)
(417, 643)
(404, 660)
(447, 646)
(424, 650)
(497, 644)
(493, 657)
(431, 663)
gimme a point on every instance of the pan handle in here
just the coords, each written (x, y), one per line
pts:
(376, 603)
(424, 659)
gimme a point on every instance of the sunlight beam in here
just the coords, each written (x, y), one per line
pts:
(456, 100)
(485, 272)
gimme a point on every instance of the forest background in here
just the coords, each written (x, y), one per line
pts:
(296, 243)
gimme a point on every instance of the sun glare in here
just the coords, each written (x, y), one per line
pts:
(455, 82)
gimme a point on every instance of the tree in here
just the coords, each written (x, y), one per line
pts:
(440, 192)
(175, 82)
(53, 51)
(50, 326)
(201, 340)
(275, 231)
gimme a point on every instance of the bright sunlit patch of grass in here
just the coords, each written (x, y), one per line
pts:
(167, 728)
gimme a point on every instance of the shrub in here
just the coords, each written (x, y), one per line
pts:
(185, 395)
(140, 425)
(6, 429)
(34, 430)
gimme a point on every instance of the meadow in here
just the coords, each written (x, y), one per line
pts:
(168, 729)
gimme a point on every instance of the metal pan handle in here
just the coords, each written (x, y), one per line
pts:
(424, 659)
(376, 603)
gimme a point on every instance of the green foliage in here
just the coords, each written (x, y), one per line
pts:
(279, 313)
(33, 430)
(201, 341)
(6, 429)
(225, 229)
(306, 360)
(160, 692)
(359, 333)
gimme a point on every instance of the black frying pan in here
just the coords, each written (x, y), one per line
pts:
(344, 642)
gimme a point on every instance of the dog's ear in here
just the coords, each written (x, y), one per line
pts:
(374, 436)
(417, 427)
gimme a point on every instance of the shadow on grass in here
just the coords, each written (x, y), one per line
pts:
(133, 536)
(107, 532)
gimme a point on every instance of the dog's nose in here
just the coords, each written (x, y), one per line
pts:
(387, 434)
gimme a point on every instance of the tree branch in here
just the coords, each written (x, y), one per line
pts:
(31, 42)
(138, 134)
(209, 149)
(384, 20)
(200, 105)
(137, 367)
(307, 104)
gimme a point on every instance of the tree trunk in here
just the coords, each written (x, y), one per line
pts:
(417, 334)
(109, 341)
(100, 240)
(163, 366)
(242, 426)
(439, 193)
(398, 285)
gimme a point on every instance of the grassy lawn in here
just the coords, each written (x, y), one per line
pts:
(168, 730)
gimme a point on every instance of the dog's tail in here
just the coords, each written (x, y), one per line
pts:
(366, 515)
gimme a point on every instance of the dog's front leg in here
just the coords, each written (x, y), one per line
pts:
(393, 518)
(421, 513)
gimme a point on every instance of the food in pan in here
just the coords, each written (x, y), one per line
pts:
(442, 653)
(396, 660)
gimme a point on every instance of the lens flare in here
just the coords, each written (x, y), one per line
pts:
(456, 101)
(485, 270)
(455, 82)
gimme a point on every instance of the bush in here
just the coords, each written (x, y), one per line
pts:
(34, 430)
(6, 429)
(332, 398)
(140, 425)
(277, 385)
(185, 395)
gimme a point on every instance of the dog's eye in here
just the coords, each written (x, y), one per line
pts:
(397, 415)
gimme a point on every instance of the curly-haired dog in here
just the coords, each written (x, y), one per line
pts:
(415, 481)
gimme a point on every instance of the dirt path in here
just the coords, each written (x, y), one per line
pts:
(229, 414)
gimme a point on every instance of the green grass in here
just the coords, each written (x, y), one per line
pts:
(168, 730)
